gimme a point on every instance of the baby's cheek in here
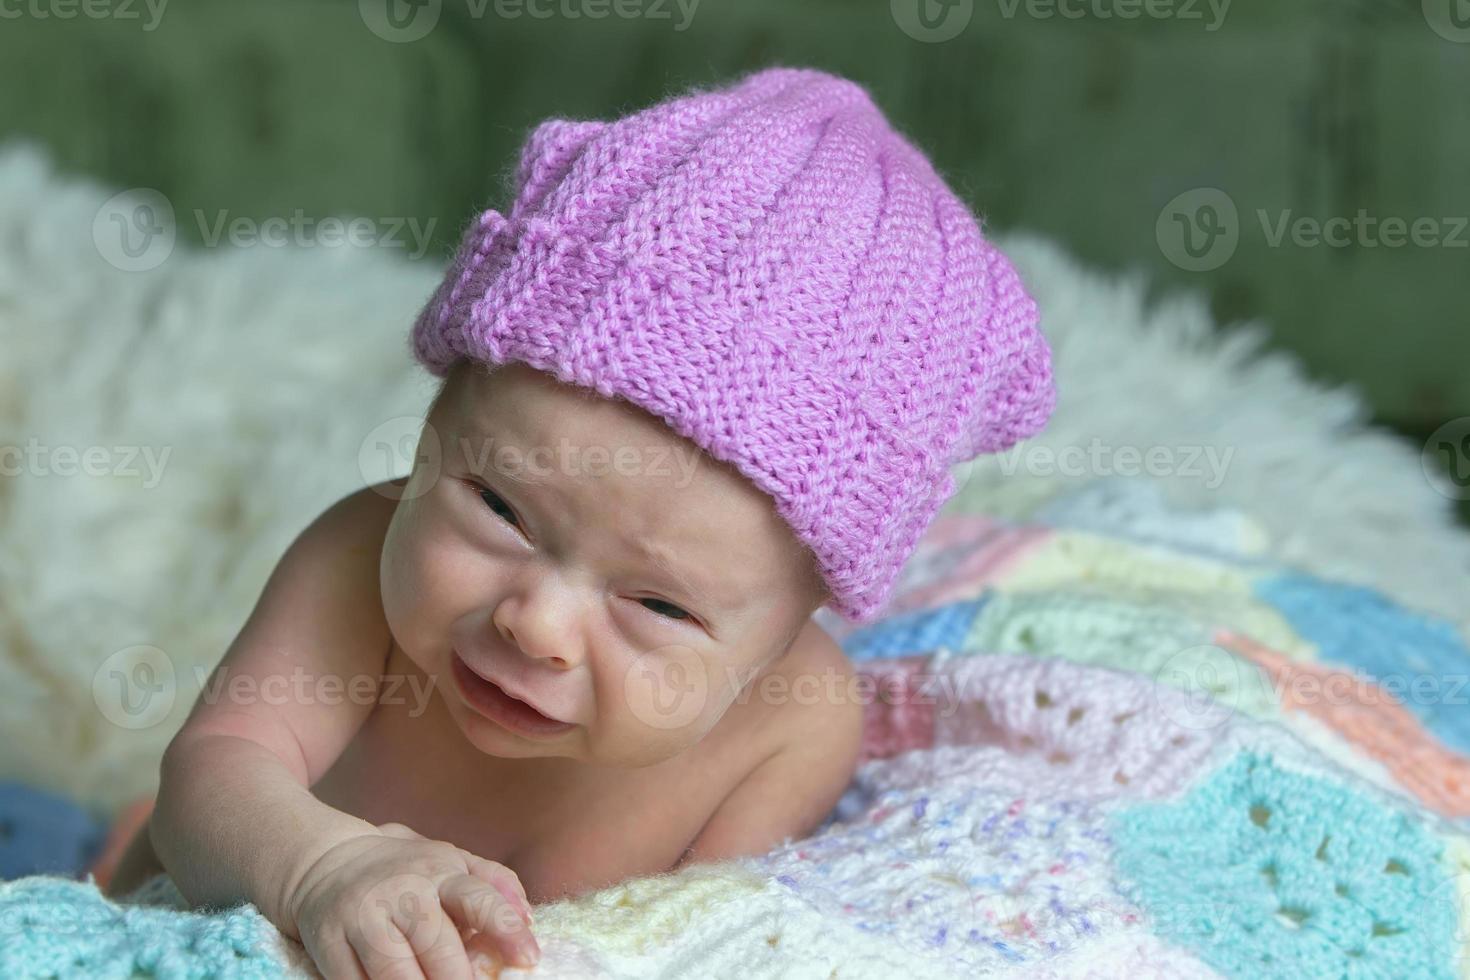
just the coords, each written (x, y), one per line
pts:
(653, 706)
(412, 583)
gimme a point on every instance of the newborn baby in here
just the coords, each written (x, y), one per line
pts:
(625, 604)
(707, 376)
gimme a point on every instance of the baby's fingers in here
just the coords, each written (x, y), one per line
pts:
(477, 905)
(385, 953)
(400, 932)
(440, 952)
(334, 957)
(504, 879)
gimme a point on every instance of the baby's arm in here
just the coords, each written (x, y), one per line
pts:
(233, 824)
(235, 818)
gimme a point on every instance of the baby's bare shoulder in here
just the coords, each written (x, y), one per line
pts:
(319, 616)
(344, 544)
(360, 520)
(821, 700)
(808, 688)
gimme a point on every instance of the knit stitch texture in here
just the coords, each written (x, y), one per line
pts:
(784, 279)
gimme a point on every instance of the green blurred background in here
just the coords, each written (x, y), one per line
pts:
(1086, 128)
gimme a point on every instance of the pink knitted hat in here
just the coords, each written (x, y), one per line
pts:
(784, 279)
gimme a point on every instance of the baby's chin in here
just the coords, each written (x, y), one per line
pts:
(492, 739)
(576, 746)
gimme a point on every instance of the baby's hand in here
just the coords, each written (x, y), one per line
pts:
(395, 905)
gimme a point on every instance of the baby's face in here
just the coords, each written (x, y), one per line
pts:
(578, 552)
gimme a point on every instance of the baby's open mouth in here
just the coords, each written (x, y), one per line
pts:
(489, 700)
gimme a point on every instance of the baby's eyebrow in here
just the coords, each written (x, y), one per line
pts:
(653, 553)
(656, 556)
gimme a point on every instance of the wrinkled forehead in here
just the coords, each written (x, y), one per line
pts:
(531, 421)
(606, 455)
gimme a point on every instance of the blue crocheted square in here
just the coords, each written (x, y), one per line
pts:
(1268, 872)
(921, 631)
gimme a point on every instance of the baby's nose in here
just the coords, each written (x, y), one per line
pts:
(540, 629)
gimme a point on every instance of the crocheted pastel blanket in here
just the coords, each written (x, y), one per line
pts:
(1110, 742)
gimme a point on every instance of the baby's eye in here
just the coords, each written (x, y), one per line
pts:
(680, 614)
(496, 503)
